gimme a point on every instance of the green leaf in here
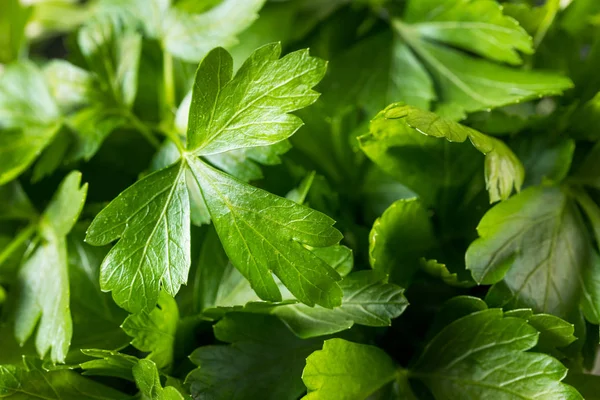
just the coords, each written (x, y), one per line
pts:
(264, 234)
(263, 361)
(368, 300)
(43, 280)
(435, 31)
(554, 332)
(424, 164)
(148, 381)
(13, 19)
(545, 160)
(405, 222)
(112, 50)
(503, 170)
(26, 134)
(346, 370)
(185, 32)
(191, 36)
(109, 363)
(478, 26)
(154, 332)
(226, 115)
(241, 163)
(535, 248)
(30, 381)
(483, 355)
(152, 220)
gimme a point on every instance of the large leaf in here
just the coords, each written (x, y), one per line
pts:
(434, 29)
(484, 355)
(535, 249)
(263, 361)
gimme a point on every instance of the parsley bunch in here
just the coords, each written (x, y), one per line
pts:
(193, 204)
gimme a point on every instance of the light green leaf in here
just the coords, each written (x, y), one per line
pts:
(484, 355)
(69, 85)
(398, 240)
(263, 361)
(368, 300)
(29, 115)
(191, 36)
(43, 280)
(154, 332)
(109, 363)
(476, 26)
(13, 19)
(346, 370)
(503, 170)
(30, 381)
(433, 30)
(535, 249)
(251, 109)
(152, 219)
(148, 381)
(112, 50)
(264, 234)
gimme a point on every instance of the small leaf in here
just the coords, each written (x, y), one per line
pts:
(346, 370)
(154, 332)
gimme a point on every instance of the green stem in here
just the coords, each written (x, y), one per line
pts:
(169, 87)
(17, 242)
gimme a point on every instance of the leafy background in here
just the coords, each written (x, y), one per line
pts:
(192, 204)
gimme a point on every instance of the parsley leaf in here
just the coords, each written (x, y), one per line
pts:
(537, 236)
(154, 332)
(22, 89)
(44, 277)
(152, 220)
(29, 380)
(246, 218)
(467, 84)
(264, 360)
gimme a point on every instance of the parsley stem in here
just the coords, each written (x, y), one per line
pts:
(17, 242)
(169, 86)
(144, 130)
